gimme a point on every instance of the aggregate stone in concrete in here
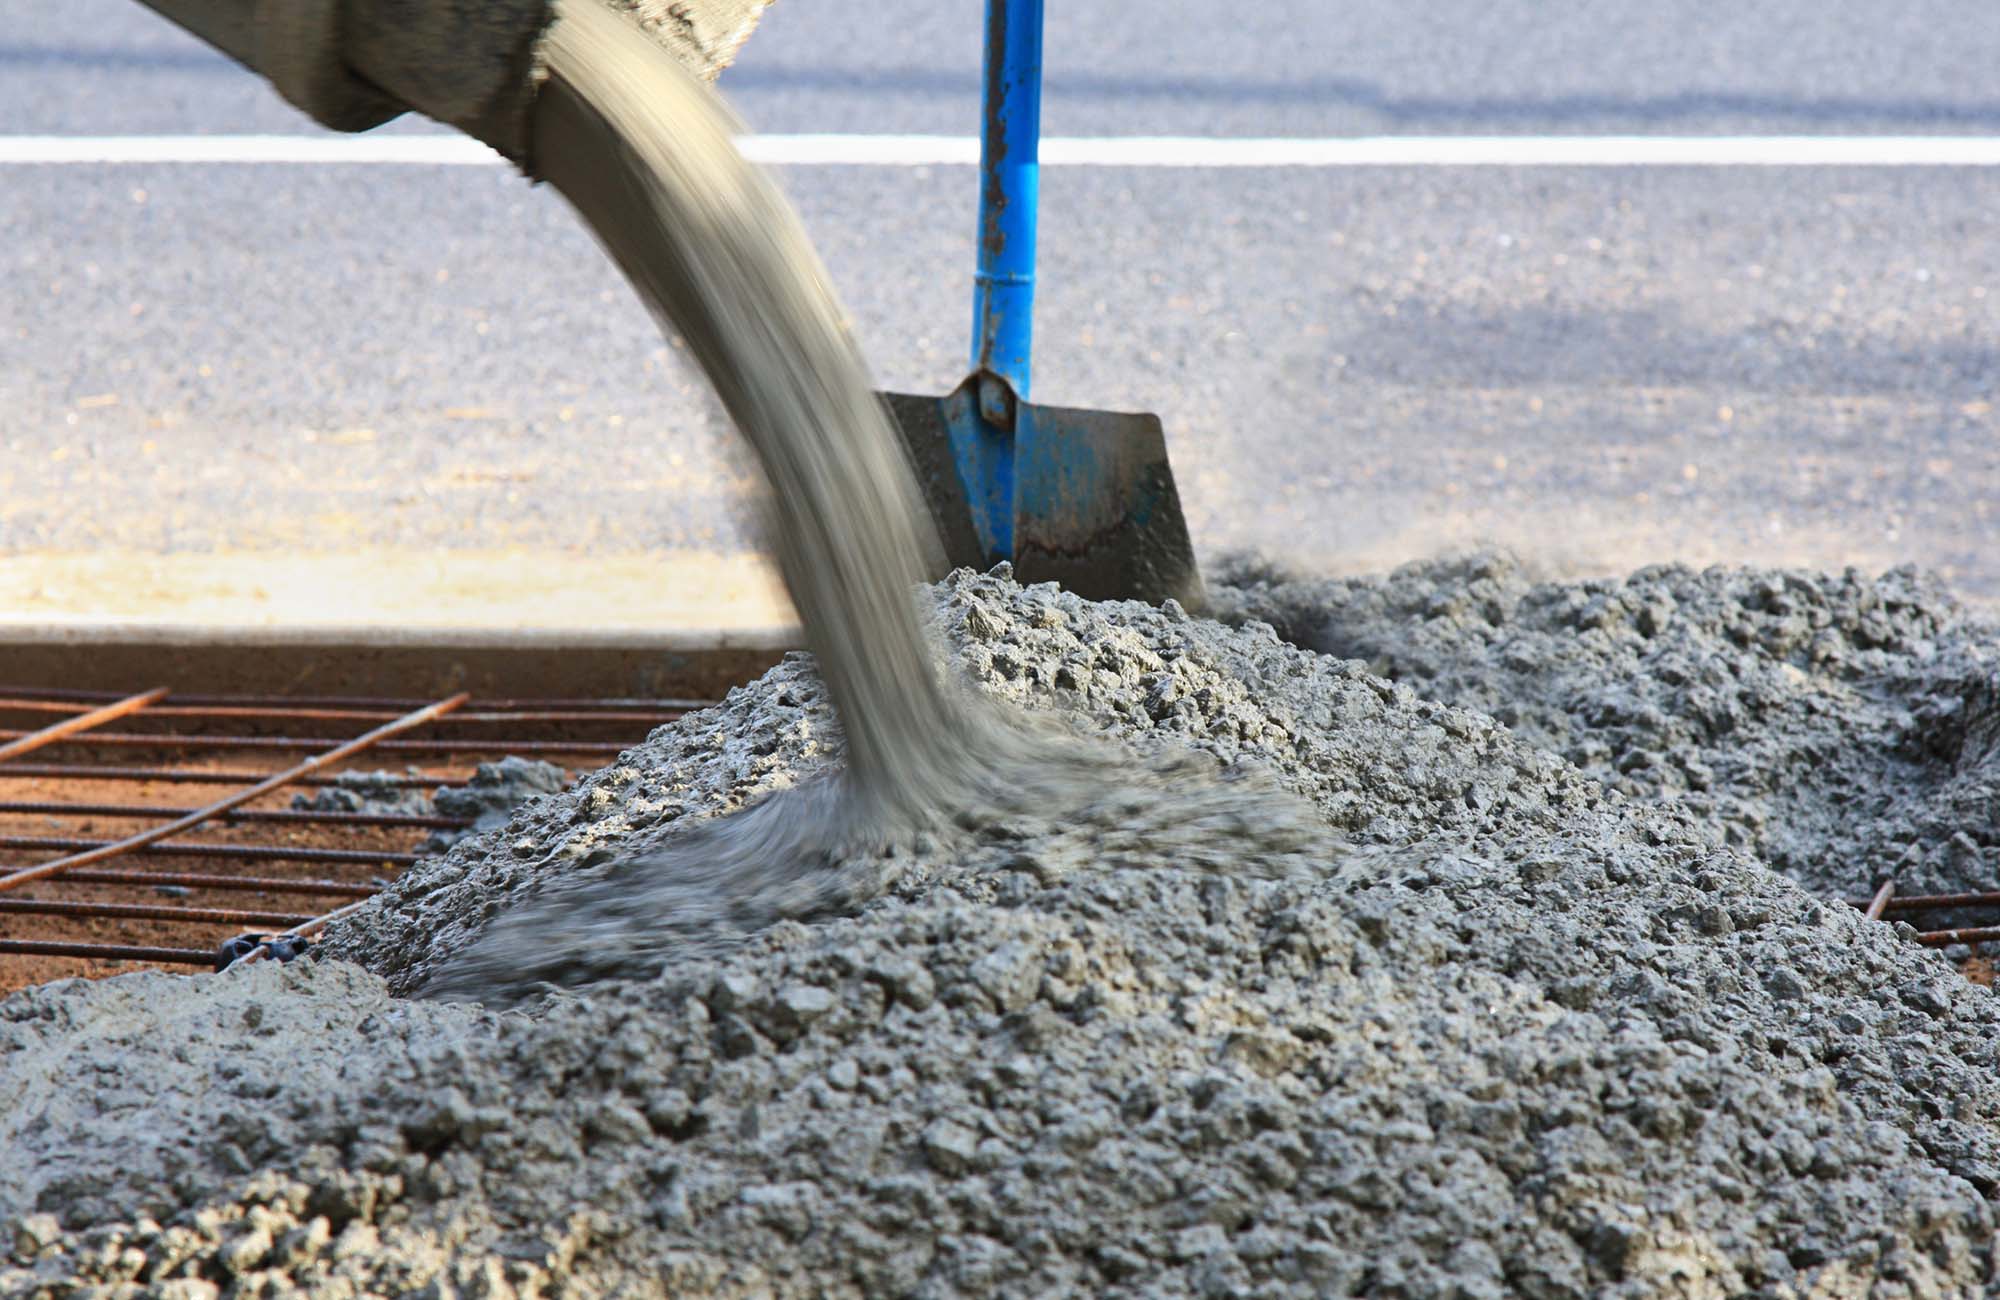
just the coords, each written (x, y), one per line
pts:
(1518, 1036)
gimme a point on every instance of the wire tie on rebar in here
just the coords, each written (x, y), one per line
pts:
(230, 950)
(279, 947)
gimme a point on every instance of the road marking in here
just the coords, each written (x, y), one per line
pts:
(436, 150)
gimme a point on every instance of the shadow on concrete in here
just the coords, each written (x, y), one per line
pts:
(1431, 343)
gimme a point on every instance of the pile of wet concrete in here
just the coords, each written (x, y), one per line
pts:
(1523, 1031)
(1843, 729)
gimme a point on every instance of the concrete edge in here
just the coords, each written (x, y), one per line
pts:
(131, 655)
(779, 637)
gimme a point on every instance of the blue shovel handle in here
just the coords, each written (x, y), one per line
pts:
(1003, 302)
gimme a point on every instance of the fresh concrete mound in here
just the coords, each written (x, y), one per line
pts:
(1519, 1036)
(1844, 729)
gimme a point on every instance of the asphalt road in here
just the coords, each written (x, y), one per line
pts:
(1599, 367)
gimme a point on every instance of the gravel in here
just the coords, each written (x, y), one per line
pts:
(1515, 1033)
(485, 800)
(491, 795)
(365, 792)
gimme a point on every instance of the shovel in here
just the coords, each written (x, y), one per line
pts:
(1077, 497)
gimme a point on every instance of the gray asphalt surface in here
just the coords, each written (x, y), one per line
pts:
(1600, 367)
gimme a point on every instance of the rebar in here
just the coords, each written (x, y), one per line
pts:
(304, 930)
(1882, 898)
(150, 912)
(1945, 938)
(92, 709)
(182, 741)
(215, 776)
(399, 704)
(1933, 902)
(155, 834)
(483, 716)
(21, 742)
(296, 816)
(201, 880)
(107, 951)
(204, 849)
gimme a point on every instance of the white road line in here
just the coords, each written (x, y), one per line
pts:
(1088, 151)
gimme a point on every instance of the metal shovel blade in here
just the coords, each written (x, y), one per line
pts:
(1081, 498)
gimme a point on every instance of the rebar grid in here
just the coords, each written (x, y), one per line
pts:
(396, 704)
(208, 776)
(503, 727)
(289, 816)
(304, 744)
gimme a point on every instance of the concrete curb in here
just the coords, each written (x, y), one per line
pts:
(118, 655)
